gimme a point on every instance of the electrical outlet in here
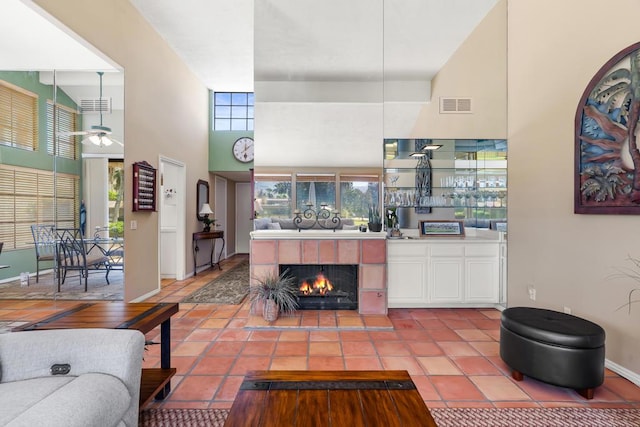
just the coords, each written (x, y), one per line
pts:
(567, 310)
(532, 294)
(134, 224)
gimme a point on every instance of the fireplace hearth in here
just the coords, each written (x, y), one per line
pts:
(325, 286)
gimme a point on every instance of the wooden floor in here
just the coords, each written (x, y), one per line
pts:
(325, 398)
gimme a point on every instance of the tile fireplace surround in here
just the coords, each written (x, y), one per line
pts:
(270, 248)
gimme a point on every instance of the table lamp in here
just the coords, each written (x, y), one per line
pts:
(205, 211)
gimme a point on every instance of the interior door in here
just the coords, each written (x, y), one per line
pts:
(221, 213)
(243, 216)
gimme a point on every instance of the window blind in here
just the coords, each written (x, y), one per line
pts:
(67, 122)
(27, 197)
(18, 117)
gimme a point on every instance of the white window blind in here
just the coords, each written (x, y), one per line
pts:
(18, 117)
(67, 122)
(27, 197)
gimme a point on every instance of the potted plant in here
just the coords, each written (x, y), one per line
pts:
(375, 219)
(276, 293)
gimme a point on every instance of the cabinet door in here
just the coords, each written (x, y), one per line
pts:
(445, 280)
(406, 283)
(481, 280)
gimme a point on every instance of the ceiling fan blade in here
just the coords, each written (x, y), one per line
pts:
(80, 132)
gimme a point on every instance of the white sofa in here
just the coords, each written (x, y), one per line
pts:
(102, 387)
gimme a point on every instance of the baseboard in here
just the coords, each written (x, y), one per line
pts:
(623, 372)
(141, 298)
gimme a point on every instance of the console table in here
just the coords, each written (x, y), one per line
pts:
(207, 235)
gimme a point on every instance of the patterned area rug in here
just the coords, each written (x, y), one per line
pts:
(229, 288)
(444, 417)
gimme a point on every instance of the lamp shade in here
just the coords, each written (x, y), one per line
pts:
(206, 209)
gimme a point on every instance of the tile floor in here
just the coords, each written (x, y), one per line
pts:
(451, 354)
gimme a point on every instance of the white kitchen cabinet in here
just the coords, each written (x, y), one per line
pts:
(441, 273)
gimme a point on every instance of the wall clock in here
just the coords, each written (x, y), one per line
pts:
(243, 149)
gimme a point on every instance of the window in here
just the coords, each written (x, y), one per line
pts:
(357, 193)
(232, 111)
(316, 189)
(273, 196)
(18, 117)
(116, 195)
(27, 197)
(67, 122)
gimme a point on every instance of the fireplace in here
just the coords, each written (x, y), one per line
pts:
(325, 286)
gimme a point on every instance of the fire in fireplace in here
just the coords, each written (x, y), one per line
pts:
(325, 287)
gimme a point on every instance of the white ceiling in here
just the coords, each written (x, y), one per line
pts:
(312, 40)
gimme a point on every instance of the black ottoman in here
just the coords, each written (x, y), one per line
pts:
(553, 347)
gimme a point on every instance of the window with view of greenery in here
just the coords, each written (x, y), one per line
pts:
(116, 196)
(357, 193)
(273, 196)
(232, 111)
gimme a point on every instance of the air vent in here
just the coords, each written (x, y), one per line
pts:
(95, 105)
(455, 106)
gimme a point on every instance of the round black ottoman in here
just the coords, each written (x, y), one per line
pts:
(553, 347)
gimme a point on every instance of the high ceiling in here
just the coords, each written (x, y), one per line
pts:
(228, 44)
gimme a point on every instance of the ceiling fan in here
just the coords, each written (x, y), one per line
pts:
(98, 135)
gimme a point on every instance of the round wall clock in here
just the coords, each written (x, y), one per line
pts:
(243, 149)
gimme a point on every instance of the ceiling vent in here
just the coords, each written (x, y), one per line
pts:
(95, 105)
(455, 106)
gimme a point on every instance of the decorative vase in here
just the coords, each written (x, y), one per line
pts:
(270, 310)
(375, 226)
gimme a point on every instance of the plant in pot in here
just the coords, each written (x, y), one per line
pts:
(375, 219)
(276, 293)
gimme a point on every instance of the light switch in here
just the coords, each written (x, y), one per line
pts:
(134, 224)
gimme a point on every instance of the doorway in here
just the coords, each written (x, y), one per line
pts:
(243, 216)
(221, 210)
(172, 219)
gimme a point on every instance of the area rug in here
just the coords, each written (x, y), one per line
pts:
(71, 289)
(231, 287)
(444, 417)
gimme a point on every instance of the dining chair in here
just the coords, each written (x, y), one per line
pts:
(44, 239)
(73, 256)
(111, 243)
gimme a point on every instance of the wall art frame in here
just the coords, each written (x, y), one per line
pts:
(607, 158)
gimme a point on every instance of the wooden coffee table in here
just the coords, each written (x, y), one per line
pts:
(119, 315)
(329, 398)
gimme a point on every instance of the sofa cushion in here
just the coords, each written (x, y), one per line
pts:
(261, 223)
(88, 400)
(274, 226)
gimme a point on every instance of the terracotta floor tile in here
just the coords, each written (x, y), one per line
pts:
(358, 348)
(425, 348)
(250, 363)
(259, 348)
(403, 363)
(195, 387)
(444, 334)
(354, 336)
(325, 349)
(264, 336)
(324, 336)
(438, 365)
(225, 348)
(203, 335)
(457, 348)
(377, 322)
(476, 365)
(190, 348)
(362, 363)
(432, 323)
(425, 387)
(384, 335)
(540, 391)
(406, 324)
(183, 364)
(229, 388)
(623, 387)
(391, 348)
(458, 323)
(456, 388)
(291, 348)
(326, 363)
(473, 335)
(413, 335)
(288, 363)
(486, 348)
(234, 335)
(213, 365)
(350, 322)
(294, 336)
(498, 387)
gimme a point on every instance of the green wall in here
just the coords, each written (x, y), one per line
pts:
(220, 148)
(25, 260)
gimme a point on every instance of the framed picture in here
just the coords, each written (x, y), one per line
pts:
(432, 228)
